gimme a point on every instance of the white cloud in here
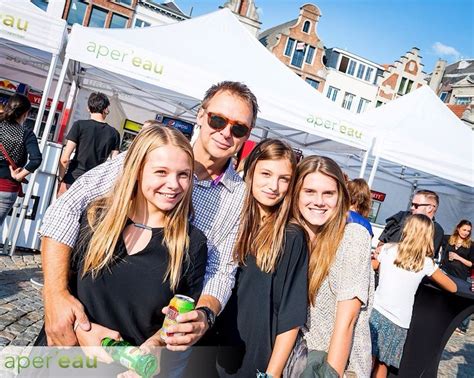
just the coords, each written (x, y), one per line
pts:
(442, 49)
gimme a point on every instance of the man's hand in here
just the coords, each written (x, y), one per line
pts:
(62, 311)
(92, 339)
(192, 325)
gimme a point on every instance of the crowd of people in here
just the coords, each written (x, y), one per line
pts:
(278, 261)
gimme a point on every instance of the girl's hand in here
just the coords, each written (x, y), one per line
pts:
(453, 256)
(15, 173)
(91, 341)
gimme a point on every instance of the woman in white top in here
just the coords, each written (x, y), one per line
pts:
(340, 277)
(401, 268)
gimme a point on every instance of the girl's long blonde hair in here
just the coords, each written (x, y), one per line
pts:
(455, 237)
(264, 239)
(107, 216)
(416, 243)
(326, 241)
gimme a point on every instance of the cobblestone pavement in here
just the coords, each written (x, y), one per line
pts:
(21, 315)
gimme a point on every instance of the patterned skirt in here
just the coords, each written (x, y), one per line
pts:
(388, 339)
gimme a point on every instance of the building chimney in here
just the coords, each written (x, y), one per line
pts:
(437, 75)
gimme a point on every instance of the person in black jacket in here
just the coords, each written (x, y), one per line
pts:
(457, 259)
(424, 202)
(21, 147)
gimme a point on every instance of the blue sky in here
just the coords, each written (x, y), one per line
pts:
(378, 30)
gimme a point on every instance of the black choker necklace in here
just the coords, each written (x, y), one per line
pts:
(143, 226)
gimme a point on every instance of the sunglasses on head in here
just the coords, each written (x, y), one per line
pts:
(417, 205)
(220, 122)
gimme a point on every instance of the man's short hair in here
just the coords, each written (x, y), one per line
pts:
(98, 102)
(429, 194)
(236, 88)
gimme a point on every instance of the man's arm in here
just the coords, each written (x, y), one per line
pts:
(59, 232)
(65, 158)
(59, 324)
(218, 283)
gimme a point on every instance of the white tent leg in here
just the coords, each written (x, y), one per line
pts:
(373, 171)
(44, 137)
(70, 99)
(364, 164)
(44, 98)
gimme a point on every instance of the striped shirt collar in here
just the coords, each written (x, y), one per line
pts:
(229, 179)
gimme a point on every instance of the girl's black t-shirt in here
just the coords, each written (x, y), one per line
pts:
(129, 295)
(262, 306)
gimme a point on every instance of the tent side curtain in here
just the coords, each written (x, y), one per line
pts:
(24, 23)
(183, 60)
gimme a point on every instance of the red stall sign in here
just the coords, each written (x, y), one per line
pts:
(377, 196)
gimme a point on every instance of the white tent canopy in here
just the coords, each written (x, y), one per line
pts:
(419, 131)
(24, 23)
(176, 63)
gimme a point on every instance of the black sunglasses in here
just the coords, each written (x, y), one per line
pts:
(219, 122)
(417, 205)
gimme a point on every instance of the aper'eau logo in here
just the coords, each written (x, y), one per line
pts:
(335, 126)
(11, 23)
(103, 52)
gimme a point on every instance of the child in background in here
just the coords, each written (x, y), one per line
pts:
(401, 267)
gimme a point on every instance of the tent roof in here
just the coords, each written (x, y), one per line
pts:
(419, 131)
(24, 23)
(186, 58)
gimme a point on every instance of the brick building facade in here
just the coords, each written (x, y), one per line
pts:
(100, 13)
(401, 77)
(297, 44)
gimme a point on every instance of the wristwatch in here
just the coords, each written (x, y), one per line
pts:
(210, 316)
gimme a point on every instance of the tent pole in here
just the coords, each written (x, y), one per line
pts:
(44, 137)
(363, 168)
(44, 97)
(67, 110)
(373, 171)
(364, 164)
(54, 104)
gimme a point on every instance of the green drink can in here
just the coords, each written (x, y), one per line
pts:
(131, 357)
(180, 304)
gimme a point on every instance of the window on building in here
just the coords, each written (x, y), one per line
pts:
(310, 55)
(463, 100)
(118, 21)
(289, 46)
(141, 24)
(332, 58)
(360, 71)
(76, 12)
(125, 2)
(443, 96)
(368, 74)
(347, 102)
(409, 85)
(312, 82)
(344, 63)
(362, 105)
(306, 26)
(97, 19)
(352, 67)
(332, 93)
(42, 4)
(298, 55)
(401, 88)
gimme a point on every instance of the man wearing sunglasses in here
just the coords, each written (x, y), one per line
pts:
(424, 202)
(228, 113)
